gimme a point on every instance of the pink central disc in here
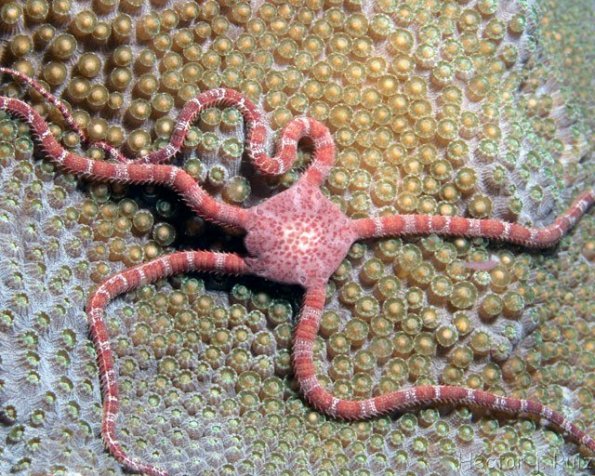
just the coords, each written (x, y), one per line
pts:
(298, 237)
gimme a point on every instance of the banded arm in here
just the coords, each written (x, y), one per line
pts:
(167, 175)
(66, 114)
(120, 283)
(297, 129)
(305, 127)
(305, 371)
(397, 225)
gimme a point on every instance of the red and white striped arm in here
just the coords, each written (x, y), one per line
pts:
(398, 225)
(304, 127)
(112, 151)
(181, 262)
(49, 97)
(297, 129)
(167, 175)
(322, 143)
(324, 401)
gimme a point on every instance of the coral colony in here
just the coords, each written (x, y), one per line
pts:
(297, 237)
(427, 133)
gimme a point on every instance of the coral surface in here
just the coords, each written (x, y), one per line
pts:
(472, 108)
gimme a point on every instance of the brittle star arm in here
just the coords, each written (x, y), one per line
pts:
(66, 114)
(128, 172)
(423, 395)
(297, 129)
(287, 144)
(397, 225)
(181, 262)
(286, 154)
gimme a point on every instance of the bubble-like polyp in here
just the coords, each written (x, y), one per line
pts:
(439, 108)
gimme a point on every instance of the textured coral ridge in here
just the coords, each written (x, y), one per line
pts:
(474, 345)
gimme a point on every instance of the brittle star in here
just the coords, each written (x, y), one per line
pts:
(296, 237)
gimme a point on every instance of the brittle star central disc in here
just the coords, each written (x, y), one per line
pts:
(298, 237)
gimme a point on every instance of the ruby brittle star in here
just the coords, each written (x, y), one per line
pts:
(296, 237)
